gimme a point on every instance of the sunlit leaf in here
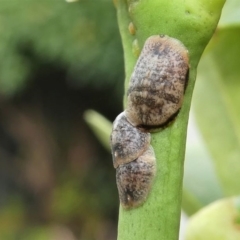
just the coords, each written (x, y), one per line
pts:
(201, 185)
(217, 105)
(100, 126)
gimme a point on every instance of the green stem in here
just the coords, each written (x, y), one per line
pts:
(193, 23)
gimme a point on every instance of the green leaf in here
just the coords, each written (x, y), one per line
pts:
(190, 204)
(217, 221)
(100, 126)
(217, 106)
(230, 15)
(200, 180)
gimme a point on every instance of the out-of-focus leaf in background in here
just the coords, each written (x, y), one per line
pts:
(201, 185)
(217, 221)
(100, 126)
(216, 104)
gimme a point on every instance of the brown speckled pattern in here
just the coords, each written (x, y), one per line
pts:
(134, 179)
(157, 85)
(127, 142)
(155, 96)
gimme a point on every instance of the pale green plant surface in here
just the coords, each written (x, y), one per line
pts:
(200, 181)
(217, 221)
(216, 103)
(217, 113)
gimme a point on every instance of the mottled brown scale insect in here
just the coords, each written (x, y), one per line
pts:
(127, 142)
(158, 82)
(135, 179)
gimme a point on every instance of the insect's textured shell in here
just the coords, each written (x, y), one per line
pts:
(134, 179)
(158, 82)
(127, 142)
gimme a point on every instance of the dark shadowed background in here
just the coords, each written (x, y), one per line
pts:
(57, 60)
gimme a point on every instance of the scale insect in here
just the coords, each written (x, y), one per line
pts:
(158, 83)
(127, 142)
(134, 179)
(134, 160)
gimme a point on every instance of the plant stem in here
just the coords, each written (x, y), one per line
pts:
(193, 24)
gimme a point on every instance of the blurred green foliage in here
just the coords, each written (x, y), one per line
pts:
(216, 102)
(81, 36)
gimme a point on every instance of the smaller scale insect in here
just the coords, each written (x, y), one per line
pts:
(155, 96)
(134, 160)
